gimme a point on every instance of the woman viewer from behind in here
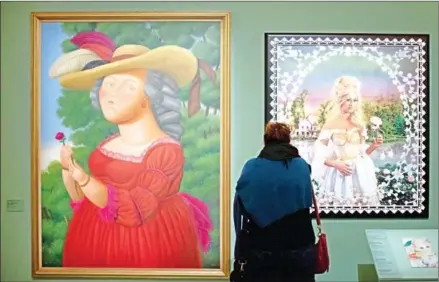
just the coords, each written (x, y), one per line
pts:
(274, 196)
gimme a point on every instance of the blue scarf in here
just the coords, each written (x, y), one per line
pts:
(275, 184)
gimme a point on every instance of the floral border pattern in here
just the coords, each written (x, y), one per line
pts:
(413, 88)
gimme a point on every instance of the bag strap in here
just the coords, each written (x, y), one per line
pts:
(241, 246)
(244, 214)
(316, 211)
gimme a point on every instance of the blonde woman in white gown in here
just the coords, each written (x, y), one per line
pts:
(341, 162)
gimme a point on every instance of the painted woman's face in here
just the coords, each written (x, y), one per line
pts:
(121, 97)
(350, 103)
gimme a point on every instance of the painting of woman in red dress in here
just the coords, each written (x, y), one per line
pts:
(128, 211)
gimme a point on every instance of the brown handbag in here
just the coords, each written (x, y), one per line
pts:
(322, 254)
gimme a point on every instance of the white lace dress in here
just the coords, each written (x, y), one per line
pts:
(360, 188)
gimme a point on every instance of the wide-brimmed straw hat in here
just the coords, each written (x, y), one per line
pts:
(177, 62)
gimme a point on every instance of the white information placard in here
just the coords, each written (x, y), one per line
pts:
(393, 261)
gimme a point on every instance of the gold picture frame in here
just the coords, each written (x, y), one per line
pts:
(38, 19)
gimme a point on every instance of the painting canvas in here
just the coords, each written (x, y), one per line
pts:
(130, 144)
(357, 107)
(420, 253)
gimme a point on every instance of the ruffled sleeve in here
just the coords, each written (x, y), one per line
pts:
(162, 172)
(323, 150)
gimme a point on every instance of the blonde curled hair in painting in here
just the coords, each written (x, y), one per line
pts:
(344, 87)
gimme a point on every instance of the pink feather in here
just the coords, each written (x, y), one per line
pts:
(200, 212)
(93, 37)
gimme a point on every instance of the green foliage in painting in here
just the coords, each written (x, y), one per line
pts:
(55, 213)
(201, 138)
(71, 29)
(391, 113)
(68, 46)
(399, 125)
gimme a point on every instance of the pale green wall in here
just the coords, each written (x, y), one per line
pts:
(249, 21)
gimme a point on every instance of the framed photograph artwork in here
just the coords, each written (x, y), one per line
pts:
(358, 108)
(131, 145)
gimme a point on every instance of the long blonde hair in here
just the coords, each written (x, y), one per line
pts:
(342, 89)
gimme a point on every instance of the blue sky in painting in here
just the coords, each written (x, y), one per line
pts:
(319, 82)
(51, 38)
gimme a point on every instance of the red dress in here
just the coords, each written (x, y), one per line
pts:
(147, 223)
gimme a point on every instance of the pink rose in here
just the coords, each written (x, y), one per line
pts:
(410, 179)
(61, 137)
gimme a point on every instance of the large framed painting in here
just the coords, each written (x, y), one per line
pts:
(131, 145)
(357, 105)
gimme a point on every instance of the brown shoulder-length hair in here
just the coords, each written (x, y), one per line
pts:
(277, 132)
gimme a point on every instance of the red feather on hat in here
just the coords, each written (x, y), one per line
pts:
(100, 50)
(97, 42)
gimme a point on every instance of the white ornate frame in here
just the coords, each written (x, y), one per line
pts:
(414, 93)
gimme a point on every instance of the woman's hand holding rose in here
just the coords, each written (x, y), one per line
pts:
(77, 172)
(378, 141)
(66, 155)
